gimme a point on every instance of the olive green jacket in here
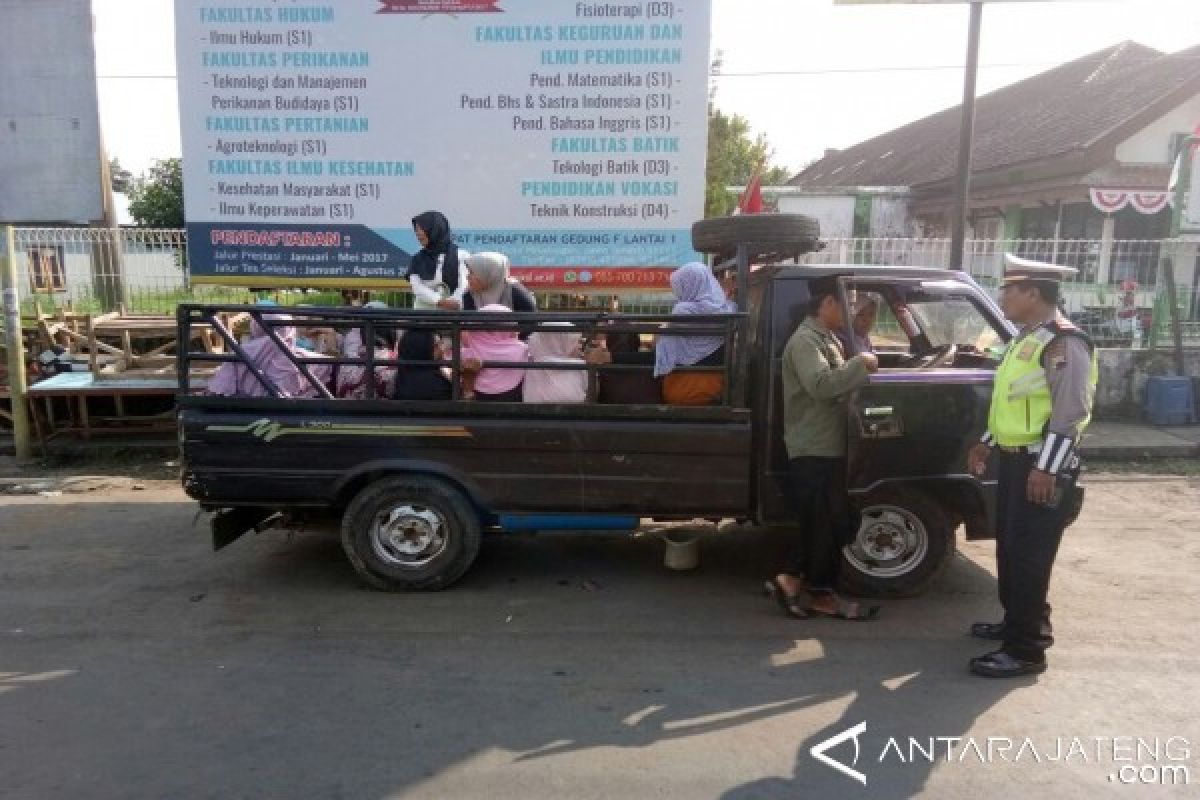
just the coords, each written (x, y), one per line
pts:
(816, 380)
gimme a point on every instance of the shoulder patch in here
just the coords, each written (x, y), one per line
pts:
(1028, 349)
(1055, 355)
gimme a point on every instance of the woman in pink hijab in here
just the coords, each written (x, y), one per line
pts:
(493, 384)
(234, 379)
(556, 385)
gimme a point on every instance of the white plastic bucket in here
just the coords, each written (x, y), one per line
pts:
(683, 551)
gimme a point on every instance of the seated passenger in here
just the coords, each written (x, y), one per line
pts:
(638, 387)
(556, 385)
(865, 310)
(489, 283)
(697, 292)
(416, 381)
(352, 378)
(234, 379)
(493, 384)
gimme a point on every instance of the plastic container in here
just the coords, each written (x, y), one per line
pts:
(1169, 400)
(683, 551)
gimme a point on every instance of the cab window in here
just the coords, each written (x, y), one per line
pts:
(920, 325)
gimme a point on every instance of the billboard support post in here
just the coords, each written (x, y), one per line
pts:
(18, 386)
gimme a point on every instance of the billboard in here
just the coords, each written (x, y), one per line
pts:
(50, 159)
(569, 136)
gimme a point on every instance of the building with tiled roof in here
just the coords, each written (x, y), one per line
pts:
(1081, 151)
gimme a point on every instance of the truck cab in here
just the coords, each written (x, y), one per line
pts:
(938, 337)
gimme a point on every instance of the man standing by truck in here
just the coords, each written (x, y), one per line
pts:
(817, 378)
(1041, 402)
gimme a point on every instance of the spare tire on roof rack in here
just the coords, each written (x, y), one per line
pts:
(769, 236)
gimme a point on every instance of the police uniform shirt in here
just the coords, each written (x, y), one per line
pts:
(1067, 361)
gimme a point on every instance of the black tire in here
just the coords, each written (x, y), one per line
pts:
(432, 511)
(773, 234)
(897, 520)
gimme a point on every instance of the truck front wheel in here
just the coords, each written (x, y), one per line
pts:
(903, 543)
(410, 533)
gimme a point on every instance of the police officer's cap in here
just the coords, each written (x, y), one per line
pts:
(1024, 270)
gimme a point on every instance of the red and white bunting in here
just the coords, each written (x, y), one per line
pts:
(1149, 202)
(1110, 201)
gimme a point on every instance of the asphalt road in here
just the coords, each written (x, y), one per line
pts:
(134, 663)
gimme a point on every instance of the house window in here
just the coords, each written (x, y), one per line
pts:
(46, 272)
(1081, 221)
(1137, 250)
(989, 229)
(1039, 223)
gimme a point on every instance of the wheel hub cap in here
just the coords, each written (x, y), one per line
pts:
(891, 542)
(408, 535)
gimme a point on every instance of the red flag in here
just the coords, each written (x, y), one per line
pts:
(751, 201)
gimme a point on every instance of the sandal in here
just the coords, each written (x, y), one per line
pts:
(791, 605)
(847, 610)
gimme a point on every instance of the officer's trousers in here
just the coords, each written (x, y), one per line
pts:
(1027, 539)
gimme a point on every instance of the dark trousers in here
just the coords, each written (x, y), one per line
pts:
(1027, 540)
(818, 495)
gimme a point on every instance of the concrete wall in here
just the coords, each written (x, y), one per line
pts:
(889, 217)
(1150, 145)
(835, 212)
(1123, 375)
(50, 166)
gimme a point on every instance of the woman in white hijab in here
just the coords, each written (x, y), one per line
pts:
(556, 385)
(489, 283)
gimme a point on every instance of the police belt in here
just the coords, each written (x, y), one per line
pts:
(1032, 449)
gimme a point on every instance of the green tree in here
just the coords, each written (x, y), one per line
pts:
(156, 200)
(733, 155)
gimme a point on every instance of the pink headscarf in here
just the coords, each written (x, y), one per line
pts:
(234, 379)
(558, 385)
(502, 345)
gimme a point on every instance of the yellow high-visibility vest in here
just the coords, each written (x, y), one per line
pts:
(1021, 402)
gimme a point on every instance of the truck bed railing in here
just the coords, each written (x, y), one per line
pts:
(221, 345)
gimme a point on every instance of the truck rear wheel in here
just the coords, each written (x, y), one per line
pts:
(410, 533)
(903, 543)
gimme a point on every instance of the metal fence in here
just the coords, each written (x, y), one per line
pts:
(141, 270)
(1116, 296)
(145, 270)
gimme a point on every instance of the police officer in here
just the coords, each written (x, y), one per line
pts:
(1041, 403)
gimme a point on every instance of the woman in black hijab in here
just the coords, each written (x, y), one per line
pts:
(437, 272)
(416, 381)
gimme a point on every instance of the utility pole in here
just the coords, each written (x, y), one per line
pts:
(966, 137)
(962, 182)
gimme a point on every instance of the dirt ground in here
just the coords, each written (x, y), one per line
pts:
(134, 662)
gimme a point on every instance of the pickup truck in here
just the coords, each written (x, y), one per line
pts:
(415, 485)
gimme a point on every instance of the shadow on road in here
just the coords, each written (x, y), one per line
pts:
(561, 666)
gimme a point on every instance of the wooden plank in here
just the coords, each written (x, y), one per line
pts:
(91, 331)
(152, 362)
